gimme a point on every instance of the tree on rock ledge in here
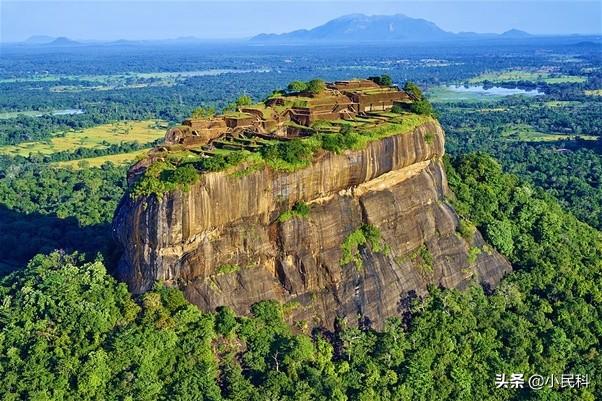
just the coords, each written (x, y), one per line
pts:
(296, 86)
(383, 80)
(315, 86)
(422, 107)
(413, 90)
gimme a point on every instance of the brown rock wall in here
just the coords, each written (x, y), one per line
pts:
(192, 239)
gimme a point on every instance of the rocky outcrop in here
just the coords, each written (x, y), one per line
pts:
(222, 244)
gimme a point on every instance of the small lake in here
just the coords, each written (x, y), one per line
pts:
(65, 112)
(493, 91)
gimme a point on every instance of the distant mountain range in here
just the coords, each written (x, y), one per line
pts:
(39, 40)
(43, 40)
(353, 28)
(50, 41)
(62, 41)
(365, 28)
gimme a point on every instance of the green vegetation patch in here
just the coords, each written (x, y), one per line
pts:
(473, 253)
(162, 177)
(593, 92)
(422, 107)
(203, 112)
(237, 115)
(421, 257)
(339, 142)
(313, 87)
(221, 162)
(405, 124)
(300, 209)
(467, 230)
(367, 234)
(499, 234)
(289, 155)
(429, 138)
(227, 269)
(425, 259)
(252, 163)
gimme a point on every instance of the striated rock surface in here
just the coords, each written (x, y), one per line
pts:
(222, 244)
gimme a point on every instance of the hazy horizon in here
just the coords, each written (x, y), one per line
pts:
(150, 20)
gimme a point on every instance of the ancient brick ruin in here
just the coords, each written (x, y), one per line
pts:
(286, 115)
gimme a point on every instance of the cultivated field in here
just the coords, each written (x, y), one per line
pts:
(98, 137)
(526, 133)
(594, 92)
(521, 75)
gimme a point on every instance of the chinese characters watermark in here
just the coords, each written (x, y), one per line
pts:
(537, 382)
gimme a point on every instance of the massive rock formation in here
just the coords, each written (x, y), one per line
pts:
(221, 242)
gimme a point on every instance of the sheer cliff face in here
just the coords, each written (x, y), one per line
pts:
(222, 244)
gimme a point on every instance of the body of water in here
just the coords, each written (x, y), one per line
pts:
(32, 113)
(65, 112)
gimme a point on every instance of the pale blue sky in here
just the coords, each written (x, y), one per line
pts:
(110, 20)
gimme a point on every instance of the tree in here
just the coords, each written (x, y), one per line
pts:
(413, 90)
(293, 152)
(244, 100)
(422, 107)
(383, 80)
(397, 109)
(203, 112)
(297, 86)
(225, 321)
(499, 233)
(316, 86)
(386, 80)
(185, 175)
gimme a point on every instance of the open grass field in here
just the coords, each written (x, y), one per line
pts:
(561, 103)
(521, 75)
(119, 159)
(526, 133)
(97, 137)
(15, 114)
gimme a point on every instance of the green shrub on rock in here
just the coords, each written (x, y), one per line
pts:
(162, 177)
(300, 209)
(339, 142)
(366, 234)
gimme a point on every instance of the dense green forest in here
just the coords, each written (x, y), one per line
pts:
(44, 208)
(511, 130)
(71, 332)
